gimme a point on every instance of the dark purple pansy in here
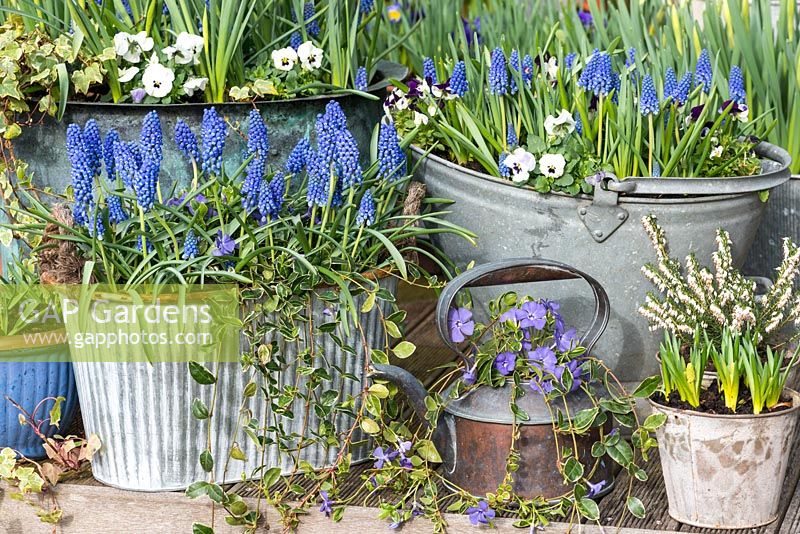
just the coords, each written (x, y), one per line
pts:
(460, 324)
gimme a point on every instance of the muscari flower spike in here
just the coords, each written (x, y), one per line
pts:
(298, 157)
(569, 60)
(598, 75)
(513, 62)
(257, 148)
(527, 69)
(505, 172)
(670, 84)
(429, 71)
(366, 210)
(116, 213)
(498, 73)
(312, 28)
(511, 136)
(295, 40)
(361, 79)
(318, 176)
(702, 72)
(347, 160)
(458, 81)
(212, 132)
(93, 146)
(145, 180)
(391, 158)
(578, 123)
(683, 89)
(736, 86)
(648, 102)
(82, 174)
(190, 246)
(365, 6)
(186, 140)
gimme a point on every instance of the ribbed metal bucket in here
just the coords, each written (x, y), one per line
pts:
(43, 145)
(781, 219)
(28, 383)
(151, 441)
(725, 471)
(602, 237)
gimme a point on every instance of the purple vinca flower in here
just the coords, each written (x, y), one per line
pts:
(470, 376)
(533, 315)
(544, 358)
(595, 489)
(505, 363)
(383, 457)
(566, 341)
(481, 514)
(224, 245)
(460, 324)
(326, 507)
(138, 94)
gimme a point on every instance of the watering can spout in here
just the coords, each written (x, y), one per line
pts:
(415, 393)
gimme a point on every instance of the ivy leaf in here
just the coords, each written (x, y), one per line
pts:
(404, 349)
(588, 509)
(427, 450)
(636, 507)
(200, 374)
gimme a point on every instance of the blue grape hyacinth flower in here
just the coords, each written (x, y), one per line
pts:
(458, 81)
(213, 130)
(702, 73)
(648, 101)
(498, 73)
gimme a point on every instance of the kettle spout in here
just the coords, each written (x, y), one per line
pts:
(415, 393)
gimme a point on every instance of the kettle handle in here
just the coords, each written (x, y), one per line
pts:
(519, 271)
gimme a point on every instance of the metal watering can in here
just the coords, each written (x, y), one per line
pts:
(474, 432)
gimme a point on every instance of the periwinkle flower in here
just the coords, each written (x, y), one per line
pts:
(458, 81)
(566, 341)
(544, 358)
(298, 158)
(481, 514)
(391, 158)
(598, 76)
(429, 71)
(595, 489)
(498, 73)
(212, 133)
(648, 101)
(224, 245)
(505, 363)
(702, 71)
(533, 315)
(190, 246)
(361, 79)
(366, 210)
(736, 86)
(326, 503)
(586, 18)
(138, 94)
(460, 324)
(575, 369)
(470, 376)
(383, 457)
(186, 141)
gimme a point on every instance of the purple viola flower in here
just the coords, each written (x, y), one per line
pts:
(505, 363)
(383, 457)
(481, 514)
(594, 489)
(137, 95)
(326, 507)
(224, 245)
(533, 315)
(585, 18)
(566, 341)
(460, 324)
(696, 111)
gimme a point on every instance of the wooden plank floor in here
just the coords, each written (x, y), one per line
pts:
(89, 507)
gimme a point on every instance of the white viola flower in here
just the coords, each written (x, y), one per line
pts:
(432, 109)
(131, 47)
(420, 118)
(716, 152)
(126, 75)
(437, 92)
(194, 84)
(157, 79)
(188, 48)
(424, 88)
(310, 56)
(551, 68)
(561, 125)
(520, 163)
(401, 100)
(552, 165)
(284, 59)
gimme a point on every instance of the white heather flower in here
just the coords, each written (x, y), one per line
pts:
(130, 47)
(126, 75)
(284, 59)
(561, 125)
(552, 165)
(194, 84)
(520, 163)
(157, 79)
(188, 48)
(551, 68)
(716, 152)
(420, 118)
(310, 56)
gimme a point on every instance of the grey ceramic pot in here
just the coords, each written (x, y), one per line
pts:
(602, 236)
(43, 145)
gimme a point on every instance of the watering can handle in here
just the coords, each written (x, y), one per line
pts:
(519, 271)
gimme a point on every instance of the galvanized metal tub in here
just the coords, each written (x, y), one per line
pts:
(602, 236)
(725, 471)
(28, 383)
(43, 145)
(780, 220)
(151, 441)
